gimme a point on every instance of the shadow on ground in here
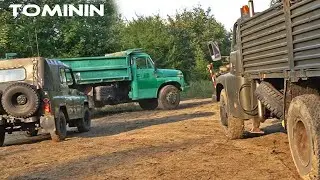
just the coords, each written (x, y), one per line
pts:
(108, 129)
(275, 127)
(96, 165)
(112, 110)
(104, 128)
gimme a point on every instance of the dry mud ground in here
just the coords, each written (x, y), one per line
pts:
(187, 143)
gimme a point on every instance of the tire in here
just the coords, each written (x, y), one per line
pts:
(2, 135)
(169, 97)
(60, 133)
(31, 133)
(2, 111)
(20, 100)
(84, 124)
(234, 127)
(271, 98)
(149, 104)
(303, 124)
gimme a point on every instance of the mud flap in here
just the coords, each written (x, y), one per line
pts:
(48, 124)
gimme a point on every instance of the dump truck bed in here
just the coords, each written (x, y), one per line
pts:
(100, 69)
(283, 41)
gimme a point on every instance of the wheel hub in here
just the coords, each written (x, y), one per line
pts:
(302, 143)
(22, 100)
(172, 97)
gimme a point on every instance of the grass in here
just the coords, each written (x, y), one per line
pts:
(198, 89)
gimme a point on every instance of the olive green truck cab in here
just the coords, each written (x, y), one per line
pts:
(128, 76)
(40, 94)
(275, 72)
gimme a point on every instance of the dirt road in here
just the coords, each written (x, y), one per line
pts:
(184, 144)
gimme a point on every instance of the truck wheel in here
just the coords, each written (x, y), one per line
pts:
(84, 124)
(2, 135)
(271, 98)
(233, 127)
(31, 133)
(169, 97)
(2, 111)
(20, 100)
(303, 126)
(149, 104)
(60, 133)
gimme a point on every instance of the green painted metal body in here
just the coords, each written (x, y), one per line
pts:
(132, 66)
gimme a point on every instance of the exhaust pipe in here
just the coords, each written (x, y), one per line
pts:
(251, 7)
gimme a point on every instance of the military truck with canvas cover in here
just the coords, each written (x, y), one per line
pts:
(129, 76)
(275, 72)
(36, 95)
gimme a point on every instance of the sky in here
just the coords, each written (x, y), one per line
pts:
(225, 11)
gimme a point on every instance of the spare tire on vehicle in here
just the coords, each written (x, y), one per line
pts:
(271, 98)
(20, 100)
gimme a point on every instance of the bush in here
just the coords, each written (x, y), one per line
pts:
(199, 89)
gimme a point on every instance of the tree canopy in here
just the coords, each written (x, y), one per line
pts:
(178, 41)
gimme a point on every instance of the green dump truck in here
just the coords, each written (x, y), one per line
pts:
(128, 76)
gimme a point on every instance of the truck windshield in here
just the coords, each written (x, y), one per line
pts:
(8, 75)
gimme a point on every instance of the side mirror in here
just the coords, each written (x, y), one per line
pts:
(214, 51)
(77, 77)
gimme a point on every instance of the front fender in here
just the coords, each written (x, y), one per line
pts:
(232, 85)
(222, 83)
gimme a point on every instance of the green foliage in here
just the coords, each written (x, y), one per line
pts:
(179, 41)
(58, 36)
(199, 89)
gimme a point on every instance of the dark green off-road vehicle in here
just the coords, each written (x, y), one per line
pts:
(36, 95)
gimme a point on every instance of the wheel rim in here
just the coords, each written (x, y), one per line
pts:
(22, 99)
(302, 143)
(19, 100)
(172, 97)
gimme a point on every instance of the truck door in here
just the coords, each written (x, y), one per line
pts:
(66, 97)
(76, 95)
(146, 77)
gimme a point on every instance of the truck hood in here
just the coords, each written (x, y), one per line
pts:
(168, 73)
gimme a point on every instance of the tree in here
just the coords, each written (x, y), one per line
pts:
(58, 36)
(179, 41)
(149, 33)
